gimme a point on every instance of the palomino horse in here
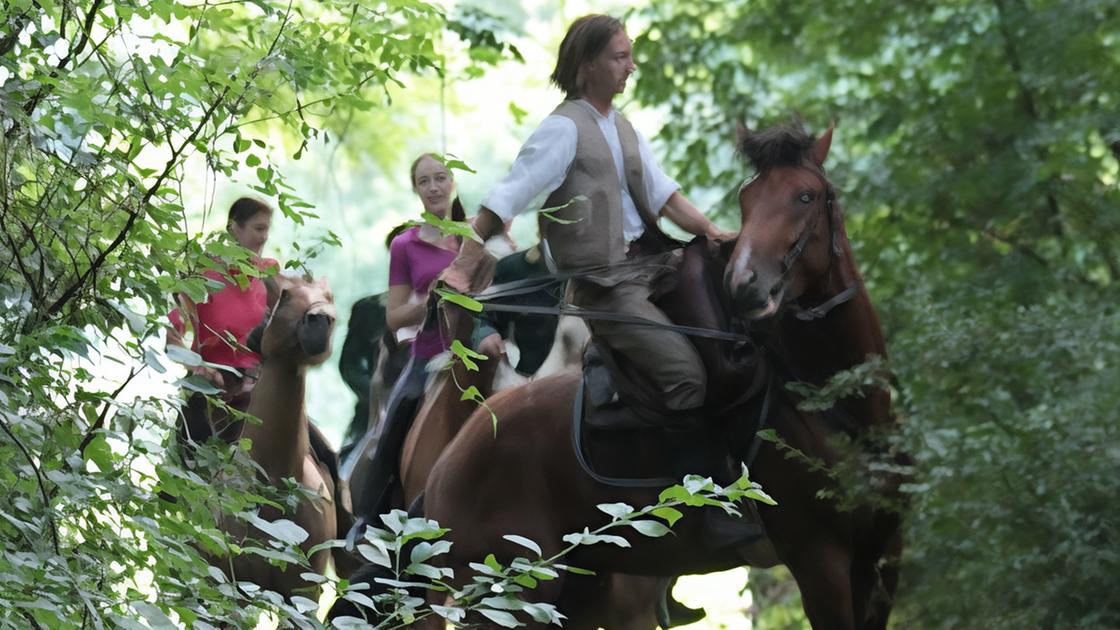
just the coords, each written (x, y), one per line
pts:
(792, 249)
(295, 334)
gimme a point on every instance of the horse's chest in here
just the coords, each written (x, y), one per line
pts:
(313, 478)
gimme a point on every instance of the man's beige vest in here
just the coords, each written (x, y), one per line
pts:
(589, 230)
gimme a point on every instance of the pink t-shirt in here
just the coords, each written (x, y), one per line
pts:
(416, 263)
(228, 309)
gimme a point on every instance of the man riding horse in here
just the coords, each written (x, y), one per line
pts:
(605, 192)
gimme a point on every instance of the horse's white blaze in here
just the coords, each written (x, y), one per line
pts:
(741, 264)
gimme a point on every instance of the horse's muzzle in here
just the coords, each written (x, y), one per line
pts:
(314, 333)
(751, 300)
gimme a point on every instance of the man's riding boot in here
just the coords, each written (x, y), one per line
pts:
(697, 453)
(382, 476)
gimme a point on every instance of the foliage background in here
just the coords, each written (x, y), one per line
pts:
(976, 155)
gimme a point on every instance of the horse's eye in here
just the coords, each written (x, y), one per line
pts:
(805, 197)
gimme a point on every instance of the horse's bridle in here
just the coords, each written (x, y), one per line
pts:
(795, 251)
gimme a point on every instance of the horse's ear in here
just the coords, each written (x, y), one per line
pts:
(821, 145)
(741, 133)
(274, 285)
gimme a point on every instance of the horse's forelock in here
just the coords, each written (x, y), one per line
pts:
(783, 145)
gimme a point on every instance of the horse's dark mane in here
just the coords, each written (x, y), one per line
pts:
(782, 145)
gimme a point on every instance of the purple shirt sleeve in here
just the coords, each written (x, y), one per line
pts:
(399, 267)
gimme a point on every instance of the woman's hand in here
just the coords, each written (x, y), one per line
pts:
(210, 374)
(493, 346)
(472, 270)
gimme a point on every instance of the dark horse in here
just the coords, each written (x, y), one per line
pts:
(791, 272)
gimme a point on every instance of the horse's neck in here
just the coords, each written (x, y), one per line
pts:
(459, 326)
(444, 410)
(848, 336)
(280, 441)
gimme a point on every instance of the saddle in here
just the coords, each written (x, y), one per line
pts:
(618, 443)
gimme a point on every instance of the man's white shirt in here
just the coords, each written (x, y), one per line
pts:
(543, 163)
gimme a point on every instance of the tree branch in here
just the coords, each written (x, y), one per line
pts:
(169, 166)
(38, 478)
(8, 42)
(87, 26)
(1030, 107)
(27, 277)
(100, 424)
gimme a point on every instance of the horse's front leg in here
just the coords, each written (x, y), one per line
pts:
(822, 568)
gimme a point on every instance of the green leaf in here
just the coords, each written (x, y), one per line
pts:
(586, 538)
(616, 510)
(550, 212)
(425, 550)
(99, 452)
(450, 227)
(137, 323)
(492, 562)
(198, 384)
(152, 361)
(652, 529)
(376, 553)
(769, 435)
(153, 615)
(303, 604)
(459, 299)
(671, 515)
(758, 495)
(576, 570)
(450, 613)
(524, 542)
(314, 578)
(183, 356)
(472, 393)
(282, 529)
(466, 355)
(500, 617)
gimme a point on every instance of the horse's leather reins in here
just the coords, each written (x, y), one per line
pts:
(583, 313)
(531, 285)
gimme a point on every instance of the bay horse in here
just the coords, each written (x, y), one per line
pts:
(620, 602)
(792, 250)
(546, 345)
(295, 334)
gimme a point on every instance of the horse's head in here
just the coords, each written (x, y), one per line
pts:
(789, 222)
(298, 323)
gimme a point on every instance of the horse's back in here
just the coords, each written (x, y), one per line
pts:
(489, 469)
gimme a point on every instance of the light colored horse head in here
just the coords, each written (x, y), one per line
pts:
(299, 323)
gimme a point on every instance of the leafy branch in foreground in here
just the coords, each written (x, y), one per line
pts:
(117, 119)
(407, 547)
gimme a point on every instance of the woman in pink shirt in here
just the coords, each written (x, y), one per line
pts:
(221, 325)
(416, 258)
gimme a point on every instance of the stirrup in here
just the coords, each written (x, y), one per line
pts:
(356, 533)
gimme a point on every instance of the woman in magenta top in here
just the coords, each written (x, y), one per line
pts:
(416, 258)
(228, 314)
